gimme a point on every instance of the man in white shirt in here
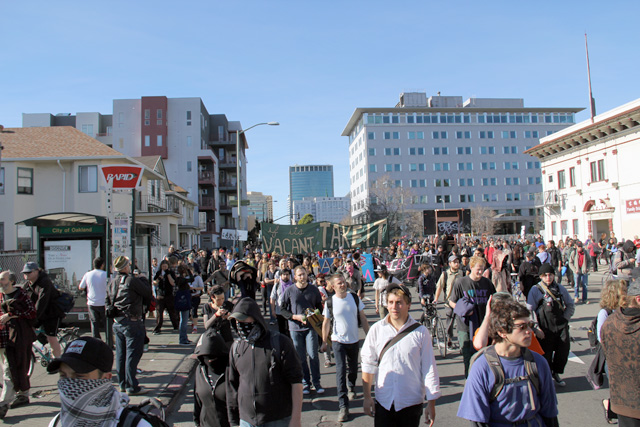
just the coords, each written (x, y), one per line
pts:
(95, 282)
(406, 373)
(344, 312)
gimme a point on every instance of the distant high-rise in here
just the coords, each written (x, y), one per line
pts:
(309, 181)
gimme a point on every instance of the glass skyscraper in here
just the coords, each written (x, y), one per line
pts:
(309, 181)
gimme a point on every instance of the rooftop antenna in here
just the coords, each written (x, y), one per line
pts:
(592, 101)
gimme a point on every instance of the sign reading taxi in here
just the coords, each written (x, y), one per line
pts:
(122, 176)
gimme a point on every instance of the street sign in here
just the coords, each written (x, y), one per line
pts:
(122, 176)
(234, 203)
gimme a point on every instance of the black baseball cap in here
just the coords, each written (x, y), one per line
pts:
(84, 355)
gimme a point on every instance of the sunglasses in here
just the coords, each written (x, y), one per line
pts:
(523, 326)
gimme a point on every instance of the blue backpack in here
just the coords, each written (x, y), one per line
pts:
(182, 300)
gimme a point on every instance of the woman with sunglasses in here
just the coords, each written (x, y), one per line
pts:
(527, 397)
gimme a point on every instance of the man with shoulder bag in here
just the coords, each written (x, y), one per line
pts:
(125, 299)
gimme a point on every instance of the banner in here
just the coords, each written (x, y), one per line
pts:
(302, 239)
(366, 266)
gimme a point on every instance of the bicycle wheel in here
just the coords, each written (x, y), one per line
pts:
(65, 339)
(442, 337)
(32, 364)
(437, 343)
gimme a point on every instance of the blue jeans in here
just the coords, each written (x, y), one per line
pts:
(306, 343)
(346, 361)
(184, 321)
(284, 422)
(129, 337)
(582, 281)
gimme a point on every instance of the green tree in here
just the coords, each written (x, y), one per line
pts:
(306, 219)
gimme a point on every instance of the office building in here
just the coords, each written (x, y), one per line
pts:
(309, 181)
(198, 149)
(449, 153)
(331, 209)
(260, 206)
(589, 187)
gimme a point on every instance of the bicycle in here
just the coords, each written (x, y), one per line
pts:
(431, 320)
(42, 353)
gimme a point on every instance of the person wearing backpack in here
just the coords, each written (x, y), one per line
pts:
(264, 377)
(343, 312)
(508, 384)
(87, 395)
(554, 308)
(44, 294)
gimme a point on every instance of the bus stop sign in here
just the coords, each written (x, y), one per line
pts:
(122, 176)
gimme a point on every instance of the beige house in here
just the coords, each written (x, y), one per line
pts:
(56, 169)
(589, 180)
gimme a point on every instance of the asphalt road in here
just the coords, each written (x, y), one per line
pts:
(579, 404)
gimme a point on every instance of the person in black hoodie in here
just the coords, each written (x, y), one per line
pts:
(210, 408)
(264, 377)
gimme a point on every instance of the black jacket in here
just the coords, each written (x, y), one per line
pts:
(44, 294)
(128, 294)
(259, 382)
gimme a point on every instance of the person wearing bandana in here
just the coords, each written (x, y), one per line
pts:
(87, 395)
(209, 394)
(264, 377)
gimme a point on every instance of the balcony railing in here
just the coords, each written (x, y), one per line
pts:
(208, 227)
(206, 176)
(206, 201)
(549, 198)
(157, 204)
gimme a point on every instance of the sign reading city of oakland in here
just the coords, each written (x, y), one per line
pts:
(299, 239)
(122, 176)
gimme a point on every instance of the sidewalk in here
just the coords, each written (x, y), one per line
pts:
(166, 369)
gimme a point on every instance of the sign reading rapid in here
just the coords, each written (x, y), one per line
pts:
(122, 176)
(299, 239)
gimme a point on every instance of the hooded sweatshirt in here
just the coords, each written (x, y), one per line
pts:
(259, 382)
(621, 342)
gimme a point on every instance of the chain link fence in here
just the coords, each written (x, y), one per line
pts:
(15, 261)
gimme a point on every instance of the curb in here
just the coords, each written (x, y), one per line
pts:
(170, 395)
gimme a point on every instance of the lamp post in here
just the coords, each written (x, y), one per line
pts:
(238, 177)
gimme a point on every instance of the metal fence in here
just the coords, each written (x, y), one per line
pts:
(15, 261)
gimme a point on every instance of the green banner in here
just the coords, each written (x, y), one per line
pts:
(301, 239)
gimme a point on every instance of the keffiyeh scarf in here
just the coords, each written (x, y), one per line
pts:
(89, 403)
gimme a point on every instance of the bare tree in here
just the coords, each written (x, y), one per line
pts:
(388, 200)
(483, 221)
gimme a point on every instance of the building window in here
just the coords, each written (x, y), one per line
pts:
(1, 182)
(88, 179)
(25, 238)
(189, 166)
(147, 141)
(87, 129)
(373, 168)
(597, 171)
(488, 150)
(575, 226)
(561, 180)
(388, 167)
(25, 181)
(147, 117)
(159, 141)
(371, 135)
(564, 228)
(554, 228)
(188, 141)
(188, 118)
(572, 177)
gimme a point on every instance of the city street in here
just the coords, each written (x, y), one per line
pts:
(579, 404)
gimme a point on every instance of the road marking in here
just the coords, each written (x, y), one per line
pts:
(574, 358)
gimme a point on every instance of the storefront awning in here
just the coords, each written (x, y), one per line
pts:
(62, 219)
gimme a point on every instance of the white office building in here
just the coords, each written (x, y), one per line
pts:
(449, 153)
(331, 209)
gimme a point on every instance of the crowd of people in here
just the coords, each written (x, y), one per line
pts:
(258, 361)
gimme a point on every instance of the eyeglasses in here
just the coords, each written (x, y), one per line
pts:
(523, 326)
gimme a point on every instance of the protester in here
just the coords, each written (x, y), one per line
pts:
(445, 283)
(182, 302)
(216, 313)
(95, 282)
(519, 401)
(127, 295)
(405, 373)
(16, 337)
(380, 285)
(165, 281)
(264, 377)
(209, 393)
(342, 314)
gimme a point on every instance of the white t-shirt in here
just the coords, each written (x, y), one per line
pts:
(197, 283)
(345, 319)
(95, 281)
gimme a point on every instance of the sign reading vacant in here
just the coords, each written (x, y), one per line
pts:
(122, 176)
(299, 239)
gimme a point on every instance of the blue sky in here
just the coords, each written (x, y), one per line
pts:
(309, 64)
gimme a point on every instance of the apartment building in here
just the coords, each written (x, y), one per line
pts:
(331, 209)
(260, 206)
(449, 153)
(587, 176)
(198, 149)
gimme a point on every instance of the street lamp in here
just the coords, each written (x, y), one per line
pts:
(238, 177)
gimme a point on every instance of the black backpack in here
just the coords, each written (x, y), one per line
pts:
(356, 300)
(550, 310)
(65, 302)
(493, 360)
(592, 331)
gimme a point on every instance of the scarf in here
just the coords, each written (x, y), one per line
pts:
(89, 403)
